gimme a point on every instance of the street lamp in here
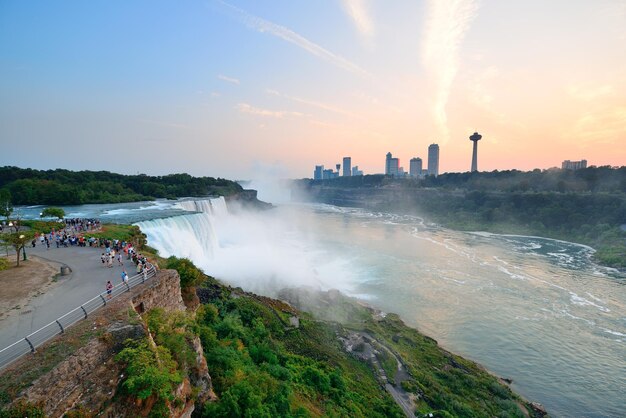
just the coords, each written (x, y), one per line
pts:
(23, 247)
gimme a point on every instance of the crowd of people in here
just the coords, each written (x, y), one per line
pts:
(74, 234)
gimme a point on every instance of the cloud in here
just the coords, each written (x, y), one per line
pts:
(228, 79)
(319, 105)
(601, 127)
(265, 26)
(358, 12)
(279, 114)
(590, 93)
(447, 23)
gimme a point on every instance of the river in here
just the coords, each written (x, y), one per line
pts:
(531, 309)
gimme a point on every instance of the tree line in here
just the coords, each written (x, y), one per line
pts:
(591, 179)
(28, 186)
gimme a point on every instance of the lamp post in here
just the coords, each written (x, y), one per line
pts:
(23, 247)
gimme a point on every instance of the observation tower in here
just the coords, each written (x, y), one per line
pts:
(475, 138)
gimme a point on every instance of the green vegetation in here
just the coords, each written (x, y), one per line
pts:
(4, 263)
(64, 187)
(150, 372)
(587, 206)
(18, 241)
(262, 366)
(23, 409)
(189, 274)
(52, 212)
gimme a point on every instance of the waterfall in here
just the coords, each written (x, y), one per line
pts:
(193, 235)
(216, 206)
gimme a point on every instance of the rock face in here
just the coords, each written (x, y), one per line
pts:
(163, 293)
(88, 379)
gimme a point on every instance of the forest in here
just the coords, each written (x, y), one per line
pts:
(64, 187)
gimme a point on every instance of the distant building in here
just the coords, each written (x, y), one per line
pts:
(574, 165)
(318, 174)
(433, 159)
(356, 171)
(415, 167)
(328, 174)
(347, 166)
(392, 165)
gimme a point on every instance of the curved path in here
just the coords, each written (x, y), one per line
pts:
(88, 278)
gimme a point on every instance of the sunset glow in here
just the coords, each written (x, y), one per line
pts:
(240, 89)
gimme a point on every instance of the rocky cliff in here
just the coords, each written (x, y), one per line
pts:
(88, 379)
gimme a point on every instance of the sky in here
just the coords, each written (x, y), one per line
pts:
(244, 89)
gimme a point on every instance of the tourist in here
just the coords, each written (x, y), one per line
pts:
(124, 277)
(119, 259)
(109, 289)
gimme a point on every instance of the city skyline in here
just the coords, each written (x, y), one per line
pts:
(243, 89)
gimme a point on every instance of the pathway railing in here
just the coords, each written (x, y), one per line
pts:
(29, 343)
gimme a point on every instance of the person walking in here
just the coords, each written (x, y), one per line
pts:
(119, 259)
(124, 277)
(109, 289)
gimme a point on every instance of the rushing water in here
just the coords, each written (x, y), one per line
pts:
(531, 309)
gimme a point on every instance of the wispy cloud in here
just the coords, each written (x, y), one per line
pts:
(590, 93)
(228, 79)
(447, 23)
(313, 103)
(265, 26)
(359, 13)
(602, 127)
(279, 114)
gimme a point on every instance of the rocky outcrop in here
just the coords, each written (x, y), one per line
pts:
(87, 380)
(247, 199)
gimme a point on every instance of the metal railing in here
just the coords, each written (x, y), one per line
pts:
(29, 343)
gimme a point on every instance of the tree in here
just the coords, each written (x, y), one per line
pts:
(18, 241)
(53, 212)
(6, 207)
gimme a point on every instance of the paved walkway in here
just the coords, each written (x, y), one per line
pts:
(88, 278)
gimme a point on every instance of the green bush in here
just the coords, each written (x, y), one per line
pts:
(148, 371)
(23, 409)
(4, 263)
(190, 275)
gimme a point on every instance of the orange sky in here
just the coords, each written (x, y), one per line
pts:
(248, 89)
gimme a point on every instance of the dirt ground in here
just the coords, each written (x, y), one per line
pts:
(18, 285)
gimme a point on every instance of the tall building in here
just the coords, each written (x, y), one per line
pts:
(347, 166)
(433, 159)
(475, 138)
(392, 165)
(574, 165)
(415, 167)
(356, 171)
(318, 174)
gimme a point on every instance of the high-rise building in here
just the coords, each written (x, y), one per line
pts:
(347, 166)
(415, 167)
(433, 159)
(392, 165)
(356, 171)
(574, 165)
(318, 174)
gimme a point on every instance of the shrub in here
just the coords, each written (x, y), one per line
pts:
(147, 376)
(190, 275)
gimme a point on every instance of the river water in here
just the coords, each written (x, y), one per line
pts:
(531, 309)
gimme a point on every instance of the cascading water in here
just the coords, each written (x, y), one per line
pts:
(191, 236)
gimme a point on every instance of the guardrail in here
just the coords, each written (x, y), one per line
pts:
(29, 343)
